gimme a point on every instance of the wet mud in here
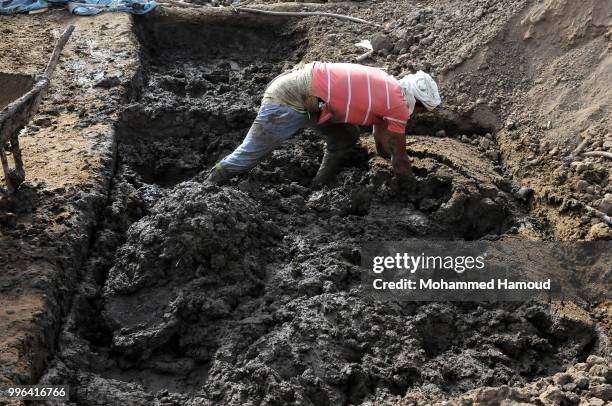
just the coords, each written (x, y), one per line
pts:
(250, 293)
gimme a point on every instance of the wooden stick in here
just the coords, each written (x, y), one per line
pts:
(305, 14)
(182, 4)
(5, 169)
(19, 106)
(599, 214)
(59, 46)
(237, 9)
(16, 150)
(364, 56)
(581, 147)
(598, 153)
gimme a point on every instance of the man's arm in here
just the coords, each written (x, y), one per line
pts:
(389, 142)
(381, 140)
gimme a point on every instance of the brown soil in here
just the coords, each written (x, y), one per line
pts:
(68, 148)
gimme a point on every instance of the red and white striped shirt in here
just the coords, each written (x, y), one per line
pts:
(359, 95)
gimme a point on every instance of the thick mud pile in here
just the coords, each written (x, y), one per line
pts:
(250, 293)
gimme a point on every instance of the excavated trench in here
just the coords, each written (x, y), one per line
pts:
(250, 293)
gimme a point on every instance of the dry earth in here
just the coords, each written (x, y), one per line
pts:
(127, 277)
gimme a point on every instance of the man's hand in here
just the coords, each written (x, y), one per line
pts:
(393, 145)
(399, 158)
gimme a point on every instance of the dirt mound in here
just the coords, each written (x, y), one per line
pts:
(543, 74)
(208, 302)
(585, 379)
(567, 23)
(199, 248)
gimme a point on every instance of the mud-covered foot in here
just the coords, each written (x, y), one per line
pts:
(217, 177)
(381, 151)
(331, 165)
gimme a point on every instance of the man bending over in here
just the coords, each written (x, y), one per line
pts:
(334, 98)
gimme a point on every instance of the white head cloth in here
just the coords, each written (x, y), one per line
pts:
(422, 87)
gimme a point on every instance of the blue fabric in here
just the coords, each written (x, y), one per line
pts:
(79, 7)
(21, 6)
(273, 125)
(127, 6)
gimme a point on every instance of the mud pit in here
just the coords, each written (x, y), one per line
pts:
(250, 293)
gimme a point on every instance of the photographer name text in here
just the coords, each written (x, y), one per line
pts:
(441, 284)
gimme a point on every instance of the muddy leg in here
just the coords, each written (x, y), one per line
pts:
(340, 138)
(274, 125)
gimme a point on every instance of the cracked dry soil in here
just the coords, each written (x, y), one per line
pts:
(250, 293)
